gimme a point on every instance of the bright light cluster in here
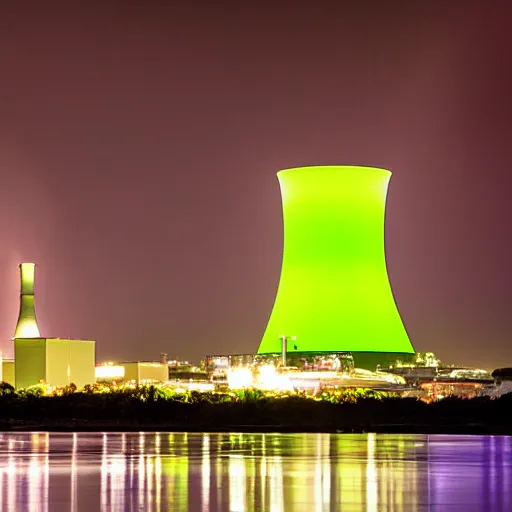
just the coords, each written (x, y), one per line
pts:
(268, 378)
(271, 378)
(265, 377)
(239, 378)
(109, 372)
(197, 386)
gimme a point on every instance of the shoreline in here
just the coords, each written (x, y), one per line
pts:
(145, 409)
(101, 426)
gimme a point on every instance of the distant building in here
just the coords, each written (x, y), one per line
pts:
(8, 371)
(136, 371)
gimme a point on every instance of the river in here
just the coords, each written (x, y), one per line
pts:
(253, 472)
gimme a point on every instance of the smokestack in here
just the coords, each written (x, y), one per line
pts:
(27, 323)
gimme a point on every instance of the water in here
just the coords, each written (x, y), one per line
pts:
(253, 472)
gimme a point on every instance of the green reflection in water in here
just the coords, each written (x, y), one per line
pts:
(175, 469)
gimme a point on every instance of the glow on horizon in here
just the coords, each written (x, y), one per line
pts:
(334, 293)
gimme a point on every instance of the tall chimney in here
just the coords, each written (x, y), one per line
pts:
(27, 323)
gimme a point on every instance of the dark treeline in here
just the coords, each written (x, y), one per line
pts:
(147, 408)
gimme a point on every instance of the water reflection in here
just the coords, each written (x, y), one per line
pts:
(247, 472)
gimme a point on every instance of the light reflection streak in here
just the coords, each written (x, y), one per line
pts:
(74, 504)
(371, 476)
(158, 473)
(263, 479)
(158, 442)
(399, 475)
(218, 471)
(205, 474)
(505, 476)
(349, 476)
(251, 480)
(149, 481)
(413, 490)
(117, 472)
(275, 471)
(318, 475)
(322, 473)
(12, 484)
(176, 473)
(104, 475)
(141, 478)
(326, 471)
(113, 472)
(38, 473)
(237, 483)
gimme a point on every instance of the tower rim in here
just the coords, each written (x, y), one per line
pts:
(339, 167)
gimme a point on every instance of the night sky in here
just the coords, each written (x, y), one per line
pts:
(139, 143)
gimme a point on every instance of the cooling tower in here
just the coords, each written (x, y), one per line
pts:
(334, 293)
(27, 323)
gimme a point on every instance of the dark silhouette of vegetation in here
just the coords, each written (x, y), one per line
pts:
(157, 408)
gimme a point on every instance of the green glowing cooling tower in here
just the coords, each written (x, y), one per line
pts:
(334, 292)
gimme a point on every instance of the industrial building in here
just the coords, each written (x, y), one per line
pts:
(8, 371)
(55, 361)
(133, 371)
(334, 293)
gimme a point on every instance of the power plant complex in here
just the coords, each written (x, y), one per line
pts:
(334, 313)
